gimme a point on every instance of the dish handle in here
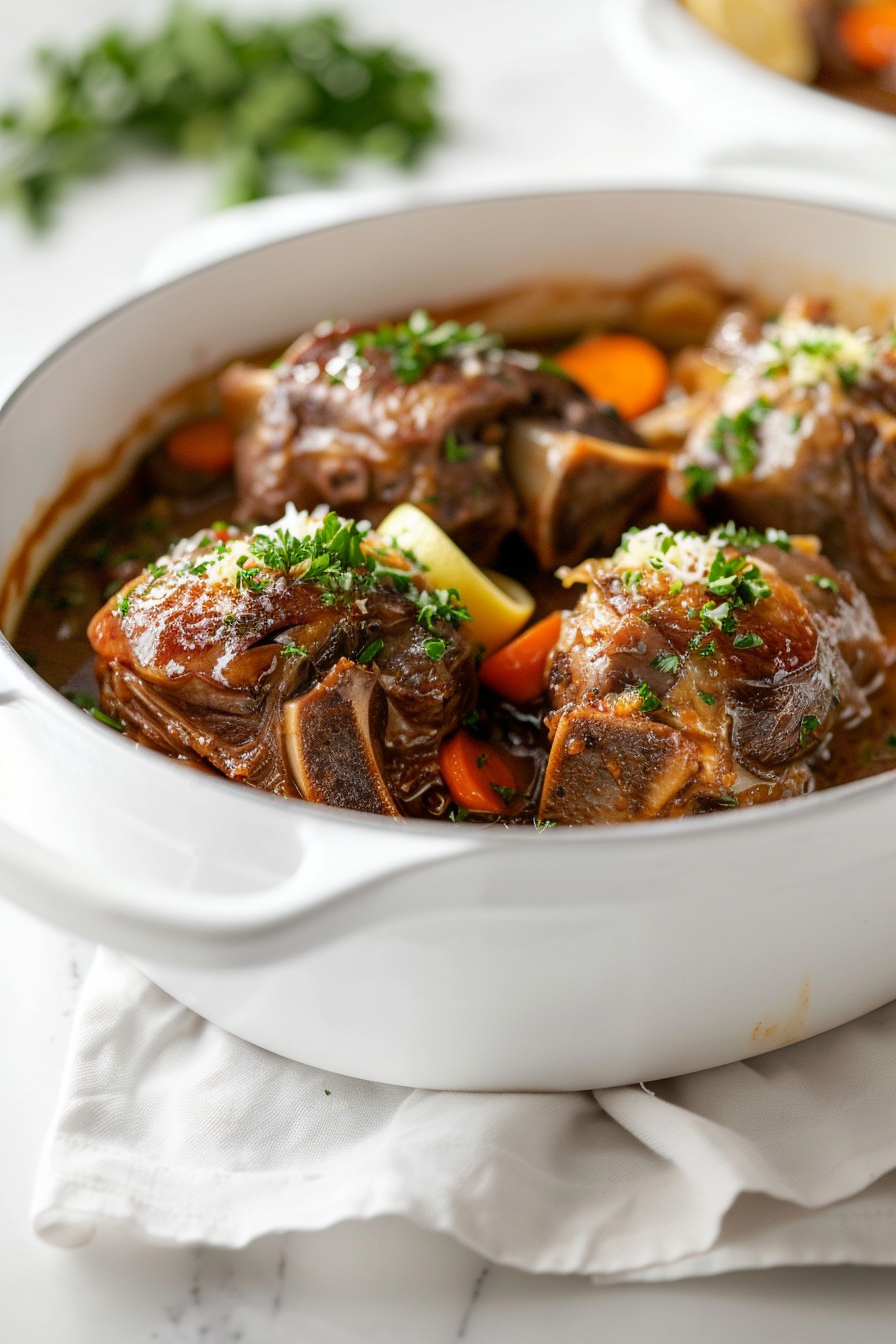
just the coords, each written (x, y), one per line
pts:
(339, 886)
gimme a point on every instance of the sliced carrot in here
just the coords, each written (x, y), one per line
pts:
(627, 371)
(479, 776)
(678, 513)
(204, 445)
(519, 670)
(867, 33)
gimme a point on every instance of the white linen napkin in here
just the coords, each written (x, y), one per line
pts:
(177, 1131)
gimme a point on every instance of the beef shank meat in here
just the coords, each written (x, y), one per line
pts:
(308, 660)
(702, 673)
(435, 415)
(801, 436)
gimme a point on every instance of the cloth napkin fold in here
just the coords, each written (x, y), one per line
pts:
(177, 1131)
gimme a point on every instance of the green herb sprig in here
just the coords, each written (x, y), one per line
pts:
(268, 100)
(415, 345)
(733, 440)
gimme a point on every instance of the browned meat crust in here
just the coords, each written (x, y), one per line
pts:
(671, 698)
(807, 445)
(204, 670)
(326, 427)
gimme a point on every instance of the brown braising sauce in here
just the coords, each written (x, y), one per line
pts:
(161, 504)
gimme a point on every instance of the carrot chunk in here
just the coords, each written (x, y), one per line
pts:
(518, 672)
(867, 33)
(204, 445)
(479, 776)
(627, 371)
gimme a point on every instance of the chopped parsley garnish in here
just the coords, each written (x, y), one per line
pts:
(300, 651)
(458, 814)
(418, 343)
(504, 792)
(720, 617)
(747, 537)
(727, 800)
(749, 641)
(543, 825)
(454, 451)
(809, 726)
(736, 577)
(481, 761)
(472, 722)
(706, 697)
(124, 604)
(328, 553)
(443, 604)
(435, 648)
(248, 578)
(666, 662)
(336, 555)
(631, 577)
(699, 482)
(733, 439)
(370, 651)
(649, 699)
(827, 584)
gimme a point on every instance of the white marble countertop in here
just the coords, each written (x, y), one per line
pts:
(514, 74)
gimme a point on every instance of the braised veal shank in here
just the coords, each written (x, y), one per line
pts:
(307, 660)
(699, 674)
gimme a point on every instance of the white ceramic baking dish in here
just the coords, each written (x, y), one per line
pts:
(742, 120)
(435, 955)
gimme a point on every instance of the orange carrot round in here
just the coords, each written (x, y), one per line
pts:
(518, 672)
(479, 776)
(627, 371)
(204, 445)
(867, 33)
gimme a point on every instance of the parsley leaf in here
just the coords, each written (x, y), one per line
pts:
(418, 343)
(734, 438)
(435, 648)
(699, 482)
(370, 651)
(650, 701)
(454, 451)
(666, 662)
(809, 726)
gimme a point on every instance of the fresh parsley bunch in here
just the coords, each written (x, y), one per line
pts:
(266, 99)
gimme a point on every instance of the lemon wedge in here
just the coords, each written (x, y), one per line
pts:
(499, 605)
(773, 32)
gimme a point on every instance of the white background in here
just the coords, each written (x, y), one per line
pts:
(530, 90)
